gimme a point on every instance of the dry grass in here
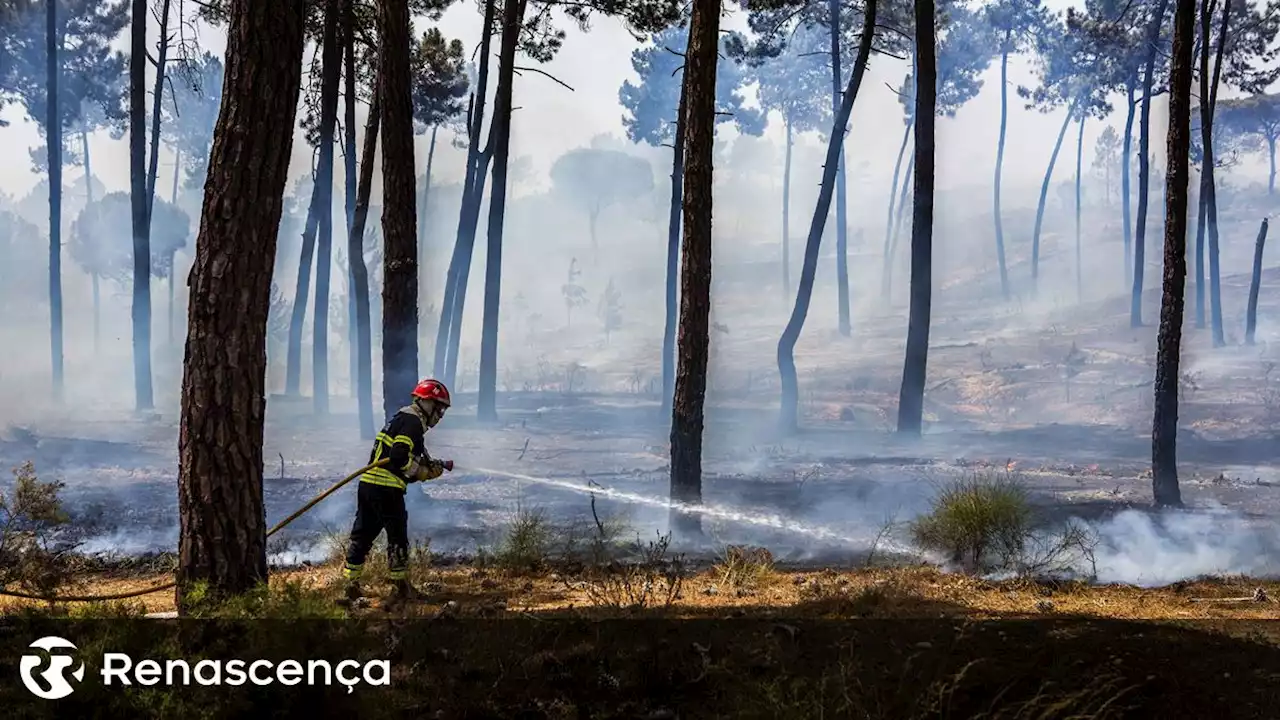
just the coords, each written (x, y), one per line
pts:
(918, 591)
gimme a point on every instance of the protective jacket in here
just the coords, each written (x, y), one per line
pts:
(402, 440)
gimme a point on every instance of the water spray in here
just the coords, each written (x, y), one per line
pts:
(776, 522)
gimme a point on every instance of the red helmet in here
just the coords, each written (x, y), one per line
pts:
(430, 389)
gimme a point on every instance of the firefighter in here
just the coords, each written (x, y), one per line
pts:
(380, 499)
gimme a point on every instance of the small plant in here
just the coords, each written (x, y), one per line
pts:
(30, 517)
(611, 309)
(654, 580)
(980, 522)
(745, 568)
(527, 543)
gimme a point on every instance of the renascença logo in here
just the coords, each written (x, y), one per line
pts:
(55, 685)
(120, 669)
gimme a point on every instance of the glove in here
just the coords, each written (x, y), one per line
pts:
(432, 469)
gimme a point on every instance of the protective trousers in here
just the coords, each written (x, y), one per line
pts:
(379, 508)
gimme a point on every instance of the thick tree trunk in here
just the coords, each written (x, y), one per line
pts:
(1004, 126)
(789, 411)
(1126, 173)
(1079, 170)
(674, 219)
(1164, 465)
(842, 222)
(139, 201)
(1251, 316)
(1044, 195)
(157, 98)
(349, 185)
(360, 274)
(695, 275)
(1211, 201)
(915, 363)
(1144, 167)
(293, 354)
(329, 82)
(786, 214)
(512, 22)
(449, 330)
(399, 216)
(53, 144)
(222, 539)
(890, 227)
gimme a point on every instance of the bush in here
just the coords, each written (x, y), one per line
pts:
(986, 523)
(30, 517)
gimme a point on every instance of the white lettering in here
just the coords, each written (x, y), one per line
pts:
(349, 682)
(236, 669)
(253, 672)
(148, 672)
(382, 665)
(180, 664)
(289, 672)
(217, 672)
(311, 672)
(109, 667)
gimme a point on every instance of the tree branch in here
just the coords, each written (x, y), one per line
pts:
(544, 73)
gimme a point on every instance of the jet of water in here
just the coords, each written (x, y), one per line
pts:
(776, 522)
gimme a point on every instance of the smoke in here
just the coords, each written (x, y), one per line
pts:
(1148, 550)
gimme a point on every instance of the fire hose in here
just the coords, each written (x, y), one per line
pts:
(278, 527)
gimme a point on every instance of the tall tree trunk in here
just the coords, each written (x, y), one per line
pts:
(897, 223)
(1004, 126)
(1079, 169)
(293, 354)
(1144, 166)
(422, 216)
(222, 539)
(1201, 199)
(1164, 463)
(674, 218)
(1125, 174)
(1271, 174)
(172, 259)
(138, 193)
(789, 411)
(349, 185)
(786, 214)
(1044, 195)
(360, 274)
(173, 267)
(1255, 283)
(915, 363)
(448, 331)
(512, 22)
(889, 224)
(842, 221)
(93, 275)
(1211, 201)
(332, 73)
(399, 235)
(699, 118)
(158, 97)
(53, 144)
